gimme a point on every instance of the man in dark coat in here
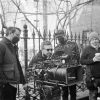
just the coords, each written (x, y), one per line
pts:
(44, 54)
(10, 69)
(70, 51)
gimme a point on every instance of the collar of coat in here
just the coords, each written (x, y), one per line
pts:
(9, 43)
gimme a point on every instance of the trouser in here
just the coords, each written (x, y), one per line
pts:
(50, 93)
(93, 94)
(66, 90)
(7, 92)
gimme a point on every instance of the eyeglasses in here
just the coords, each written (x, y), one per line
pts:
(49, 49)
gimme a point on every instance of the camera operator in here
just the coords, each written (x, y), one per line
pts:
(44, 54)
(68, 50)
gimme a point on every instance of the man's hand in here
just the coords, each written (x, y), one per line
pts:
(25, 86)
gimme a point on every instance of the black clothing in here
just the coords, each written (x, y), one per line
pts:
(87, 59)
(9, 63)
(92, 71)
(10, 70)
(92, 68)
(45, 90)
(72, 92)
(68, 48)
(71, 49)
(37, 58)
(7, 92)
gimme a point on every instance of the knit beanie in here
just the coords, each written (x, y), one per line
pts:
(59, 32)
(93, 35)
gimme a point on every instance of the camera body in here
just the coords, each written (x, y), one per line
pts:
(66, 75)
(58, 72)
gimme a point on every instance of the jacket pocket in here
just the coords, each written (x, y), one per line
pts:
(8, 71)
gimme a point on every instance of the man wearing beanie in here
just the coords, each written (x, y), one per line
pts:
(91, 58)
(70, 51)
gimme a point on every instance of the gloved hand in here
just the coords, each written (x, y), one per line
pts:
(95, 59)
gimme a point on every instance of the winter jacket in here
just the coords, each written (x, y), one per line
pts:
(10, 68)
(92, 67)
(69, 48)
(37, 58)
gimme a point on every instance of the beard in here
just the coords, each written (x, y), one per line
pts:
(15, 40)
(61, 40)
(47, 56)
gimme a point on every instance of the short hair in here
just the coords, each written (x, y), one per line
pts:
(45, 43)
(11, 30)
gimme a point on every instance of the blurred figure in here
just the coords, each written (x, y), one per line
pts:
(91, 58)
(10, 69)
(68, 50)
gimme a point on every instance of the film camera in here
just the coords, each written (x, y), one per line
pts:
(67, 76)
(51, 74)
(55, 71)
